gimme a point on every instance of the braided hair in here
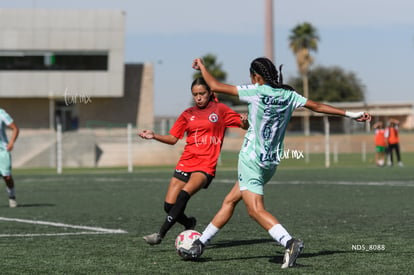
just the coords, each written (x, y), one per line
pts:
(266, 69)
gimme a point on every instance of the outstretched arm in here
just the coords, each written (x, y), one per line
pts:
(393, 120)
(328, 109)
(214, 84)
(149, 134)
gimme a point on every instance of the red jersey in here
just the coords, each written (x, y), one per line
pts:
(392, 135)
(205, 129)
(380, 137)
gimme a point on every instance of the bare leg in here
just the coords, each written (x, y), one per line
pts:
(227, 208)
(10, 186)
(10, 191)
(256, 209)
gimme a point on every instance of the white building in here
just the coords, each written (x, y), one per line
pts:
(68, 66)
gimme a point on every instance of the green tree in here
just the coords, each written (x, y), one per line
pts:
(331, 84)
(302, 40)
(210, 61)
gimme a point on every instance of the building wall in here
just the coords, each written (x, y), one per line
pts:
(145, 114)
(28, 112)
(62, 30)
(135, 107)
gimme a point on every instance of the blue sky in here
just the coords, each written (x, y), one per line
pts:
(372, 38)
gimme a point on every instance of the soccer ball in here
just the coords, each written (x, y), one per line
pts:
(184, 240)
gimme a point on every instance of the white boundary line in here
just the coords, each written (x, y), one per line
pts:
(92, 230)
(369, 183)
(332, 182)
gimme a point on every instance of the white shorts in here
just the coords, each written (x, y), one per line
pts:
(252, 177)
(5, 163)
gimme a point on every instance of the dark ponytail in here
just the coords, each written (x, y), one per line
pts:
(200, 81)
(266, 69)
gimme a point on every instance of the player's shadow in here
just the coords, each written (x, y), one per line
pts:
(223, 244)
(277, 259)
(36, 205)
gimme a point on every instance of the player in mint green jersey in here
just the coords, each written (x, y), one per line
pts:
(270, 105)
(5, 157)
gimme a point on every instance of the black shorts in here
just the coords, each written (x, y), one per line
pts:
(185, 176)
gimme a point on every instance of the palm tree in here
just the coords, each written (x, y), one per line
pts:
(210, 61)
(303, 40)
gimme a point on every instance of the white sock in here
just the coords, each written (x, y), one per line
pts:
(279, 233)
(10, 192)
(208, 233)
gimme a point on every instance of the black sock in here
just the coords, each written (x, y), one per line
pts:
(175, 212)
(181, 219)
(167, 207)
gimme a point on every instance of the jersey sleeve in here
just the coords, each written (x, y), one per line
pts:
(179, 127)
(298, 100)
(247, 92)
(231, 118)
(5, 117)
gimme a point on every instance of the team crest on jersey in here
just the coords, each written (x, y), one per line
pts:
(213, 117)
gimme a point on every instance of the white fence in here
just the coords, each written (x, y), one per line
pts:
(121, 147)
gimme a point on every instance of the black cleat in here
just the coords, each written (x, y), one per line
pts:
(191, 223)
(153, 239)
(197, 249)
(292, 252)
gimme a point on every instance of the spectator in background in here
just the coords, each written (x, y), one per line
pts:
(6, 145)
(393, 140)
(380, 143)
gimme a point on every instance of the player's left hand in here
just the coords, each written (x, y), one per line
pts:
(365, 117)
(10, 146)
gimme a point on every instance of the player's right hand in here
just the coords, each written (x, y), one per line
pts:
(197, 63)
(146, 134)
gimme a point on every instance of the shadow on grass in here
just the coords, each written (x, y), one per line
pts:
(36, 205)
(278, 259)
(239, 243)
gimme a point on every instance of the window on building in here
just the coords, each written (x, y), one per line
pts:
(53, 60)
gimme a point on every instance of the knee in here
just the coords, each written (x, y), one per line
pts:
(179, 205)
(183, 197)
(230, 202)
(253, 213)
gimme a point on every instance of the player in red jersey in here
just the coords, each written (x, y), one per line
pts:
(393, 139)
(204, 125)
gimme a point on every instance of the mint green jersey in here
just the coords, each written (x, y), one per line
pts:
(270, 110)
(5, 120)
